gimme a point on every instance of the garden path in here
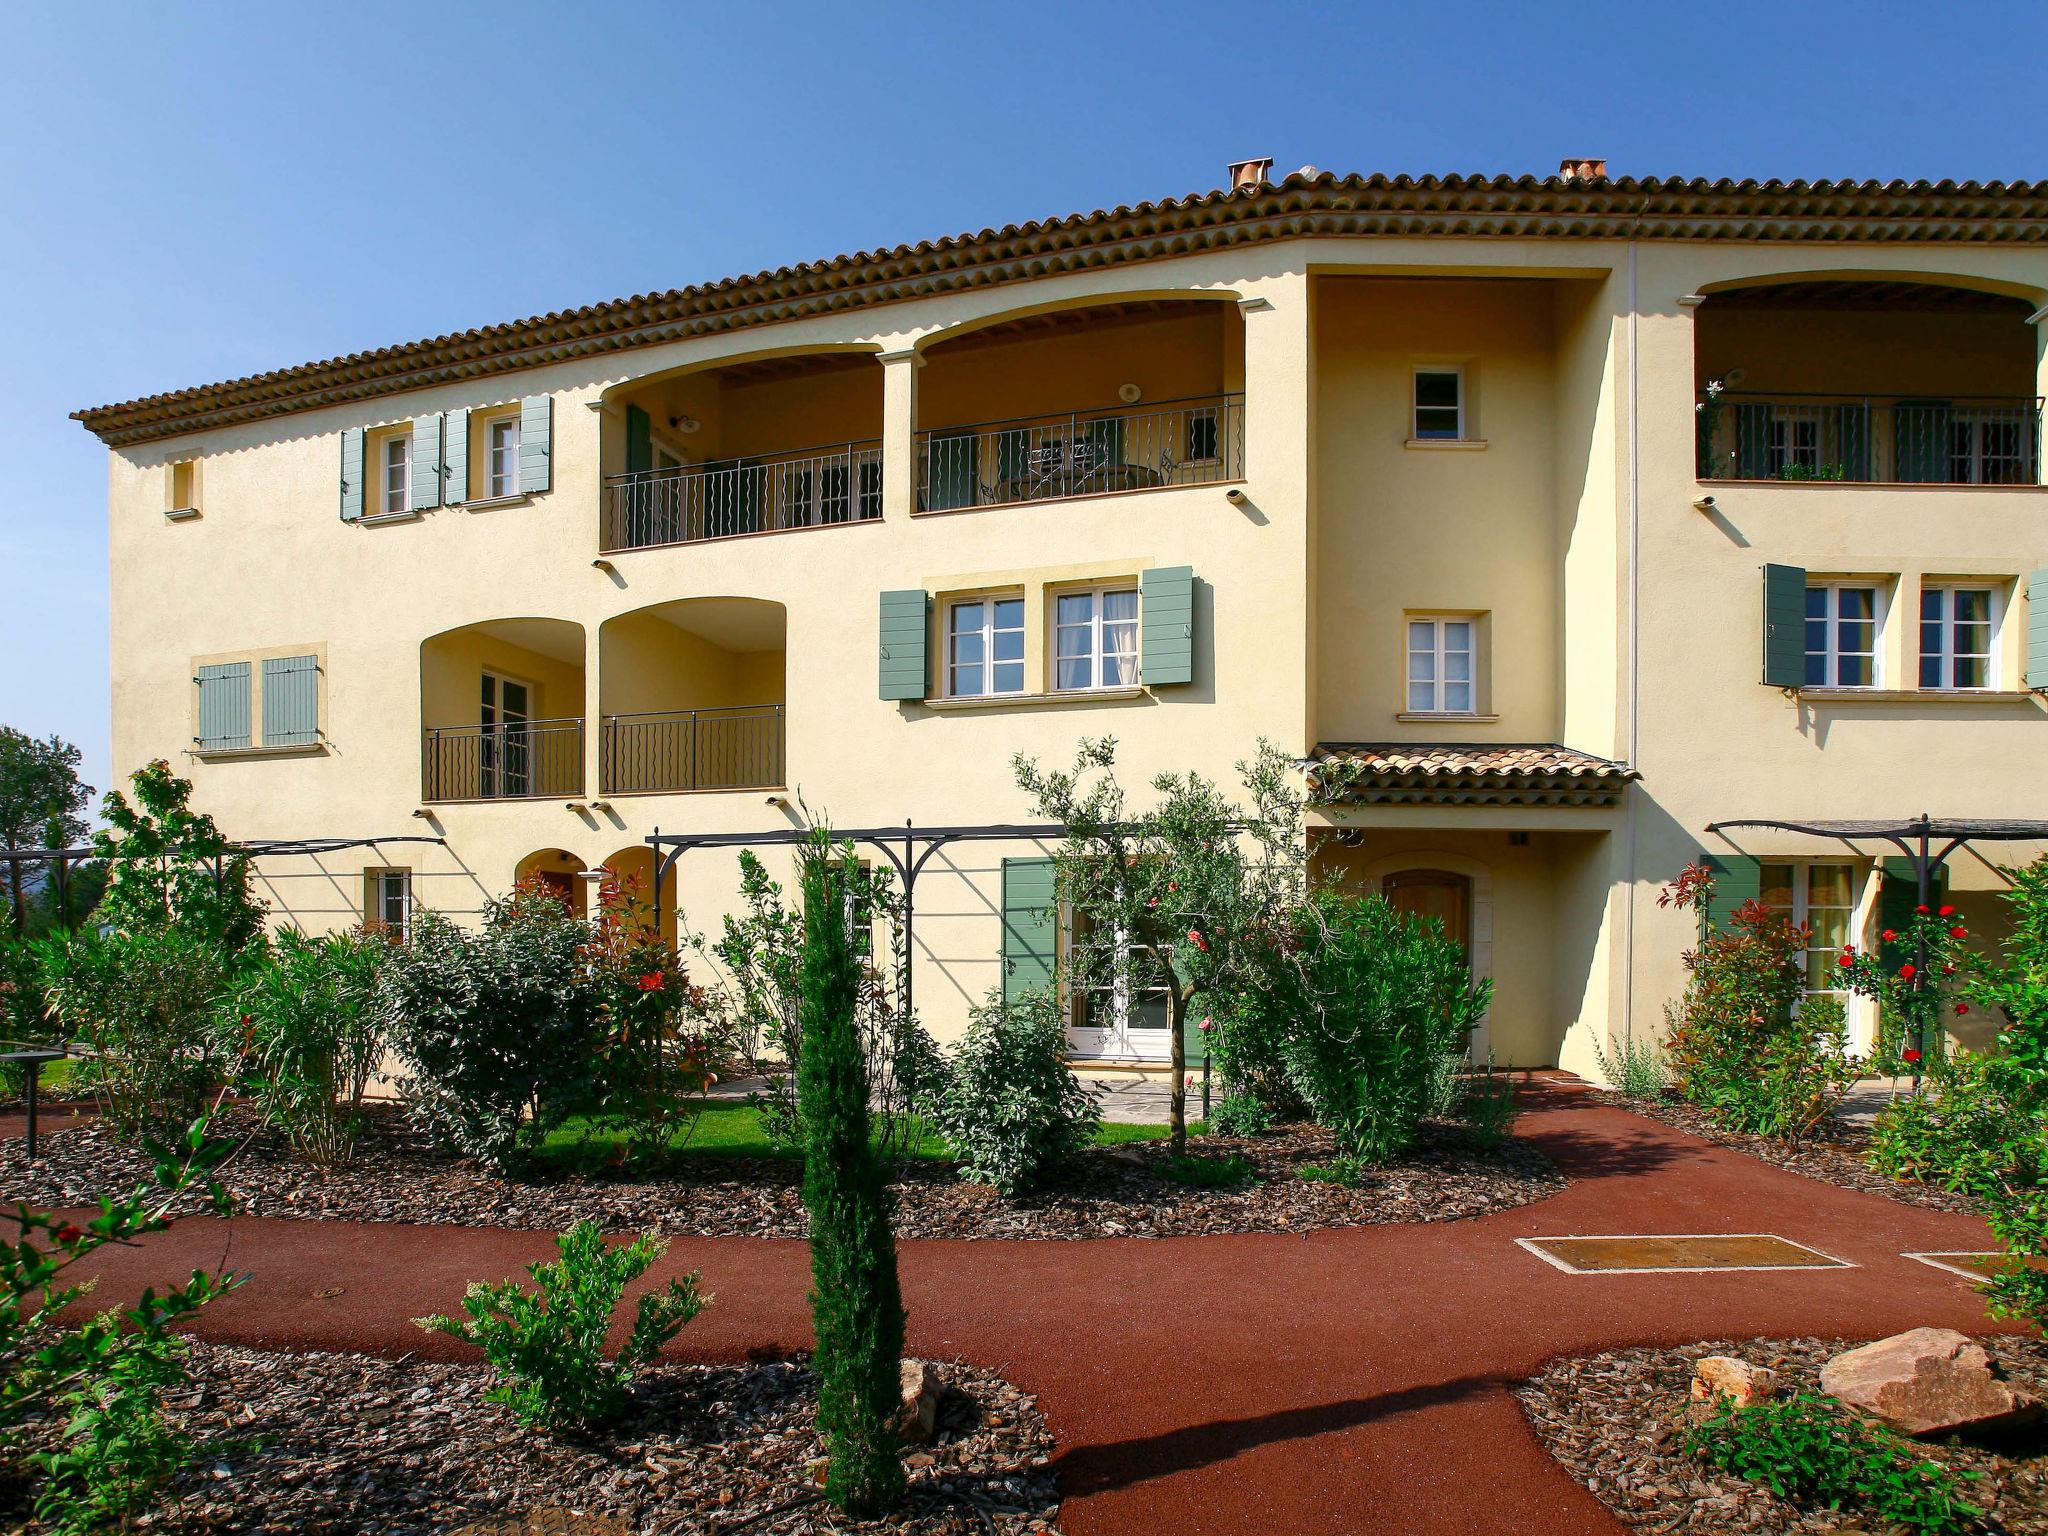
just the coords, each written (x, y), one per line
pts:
(1350, 1381)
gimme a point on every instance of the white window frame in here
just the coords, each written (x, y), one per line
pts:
(1879, 606)
(1973, 456)
(1096, 655)
(1788, 424)
(1439, 653)
(384, 880)
(397, 446)
(1416, 407)
(1861, 889)
(495, 488)
(988, 632)
(1117, 1039)
(1945, 653)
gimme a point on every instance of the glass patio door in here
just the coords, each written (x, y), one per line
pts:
(505, 746)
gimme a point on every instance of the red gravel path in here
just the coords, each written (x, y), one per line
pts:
(1351, 1381)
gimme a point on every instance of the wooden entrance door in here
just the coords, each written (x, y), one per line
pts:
(1436, 893)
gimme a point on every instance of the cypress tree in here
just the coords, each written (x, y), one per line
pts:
(856, 1305)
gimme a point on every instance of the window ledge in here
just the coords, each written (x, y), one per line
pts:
(180, 514)
(487, 503)
(378, 519)
(1037, 700)
(1916, 695)
(228, 754)
(1445, 717)
(1738, 483)
(1452, 444)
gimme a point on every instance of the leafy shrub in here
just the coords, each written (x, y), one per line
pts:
(1636, 1070)
(1010, 1106)
(1488, 1106)
(1209, 1172)
(1352, 1171)
(547, 1344)
(147, 1002)
(1240, 1114)
(313, 1024)
(117, 1448)
(1805, 1449)
(24, 1012)
(1745, 1042)
(168, 865)
(498, 1028)
(1366, 1004)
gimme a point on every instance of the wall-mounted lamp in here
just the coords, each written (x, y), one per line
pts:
(1130, 394)
(684, 424)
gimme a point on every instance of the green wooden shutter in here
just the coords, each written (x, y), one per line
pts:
(1920, 441)
(291, 701)
(352, 475)
(2037, 629)
(639, 441)
(1029, 926)
(1896, 899)
(424, 491)
(1166, 617)
(905, 620)
(455, 458)
(1013, 455)
(536, 446)
(1784, 626)
(951, 473)
(1738, 880)
(1753, 441)
(1851, 436)
(223, 706)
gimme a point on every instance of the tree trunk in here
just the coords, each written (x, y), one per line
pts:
(1177, 1053)
(14, 888)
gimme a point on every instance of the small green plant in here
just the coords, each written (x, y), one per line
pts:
(1240, 1115)
(117, 1447)
(1488, 1107)
(310, 1017)
(1805, 1449)
(1009, 1105)
(1635, 1070)
(1352, 1172)
(1209, 1172)
(547, 1344)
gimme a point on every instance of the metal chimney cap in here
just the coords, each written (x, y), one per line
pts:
(1249, 173)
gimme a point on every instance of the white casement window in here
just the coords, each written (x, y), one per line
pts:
(396, 492)
(1992, 447)
(1123, 1009)
(1822, 899)
(1795, 442)
(391, 890)
(984, 647)
(1844, 623)
(1440, 670)
(1439, 402)
(1958, 637)
(502, 448)
(1095, 639)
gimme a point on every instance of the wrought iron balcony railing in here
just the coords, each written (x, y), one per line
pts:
(519, 760)
(684, 504)
(1082, 453)
(1894, 441)
(737, 747)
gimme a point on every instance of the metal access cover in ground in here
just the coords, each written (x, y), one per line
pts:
(1676, 1253)
(1982, 1266)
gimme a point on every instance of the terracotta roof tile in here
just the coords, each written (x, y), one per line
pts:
(1464, 773)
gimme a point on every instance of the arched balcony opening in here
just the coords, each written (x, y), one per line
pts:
(692, 693)
(767, 445)
(501, 711)
(1874, 380)
(1132, 396)
(633, 871)
(561, 874)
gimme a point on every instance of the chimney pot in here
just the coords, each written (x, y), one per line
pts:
(1249, 173)
(1582, 168)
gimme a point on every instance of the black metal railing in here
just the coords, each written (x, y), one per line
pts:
(735, 747)
(520, 760)
(1892, 440)
(1081, 453)
(813, 488)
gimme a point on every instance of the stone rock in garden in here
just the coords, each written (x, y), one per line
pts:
(1716, 1377)
(917, 1419)
(1927, 1381)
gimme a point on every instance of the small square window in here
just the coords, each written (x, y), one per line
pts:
(1442, 676)
(984, 647)
(1440, 403)
(502, 467)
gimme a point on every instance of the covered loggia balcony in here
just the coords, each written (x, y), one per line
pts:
(768, 445)
(1879, 381)
(692, 695)
(1132, 396)
(501, 711)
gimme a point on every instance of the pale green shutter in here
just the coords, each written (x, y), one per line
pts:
(223, 706)
(1784, 626)
(424, 492)
(2037, 629)
(291, 701)
(639, 441)
(536, 447)
(455, 458)
(905, 619)
(1166, 617)
(1738, 880)
(352, 475)
(1029, 926)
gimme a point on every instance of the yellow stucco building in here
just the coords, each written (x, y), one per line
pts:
(1575, 516)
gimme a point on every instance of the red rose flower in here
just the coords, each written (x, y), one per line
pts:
(1946, 912)
(1910, 1054)
(1948, 970)
(651, 981)
(1962, 1008)
(1959, 932)
(1195, 938)
(1909, 970)
(1847, 960)
(1921, 909)
(69, 1233)
(1889, 934)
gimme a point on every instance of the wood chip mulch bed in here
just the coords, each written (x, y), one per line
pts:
(1836, 1154)
(327, 1444)
(1125, 1191)
(1612, 1421)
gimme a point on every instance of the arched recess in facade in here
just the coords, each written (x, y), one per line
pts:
(692, 695)
(1376, 877)
(1081, 398)
(561, 874)
(1882, 377)
(772, 440)
(501, 711)
(632, 868)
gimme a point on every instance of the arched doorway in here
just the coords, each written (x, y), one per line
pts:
(560, 874)
(1439, 893)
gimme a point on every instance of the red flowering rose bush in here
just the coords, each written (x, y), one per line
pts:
(1745, 1042)
(1920, 975)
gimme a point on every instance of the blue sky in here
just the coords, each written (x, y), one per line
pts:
(196, 191)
